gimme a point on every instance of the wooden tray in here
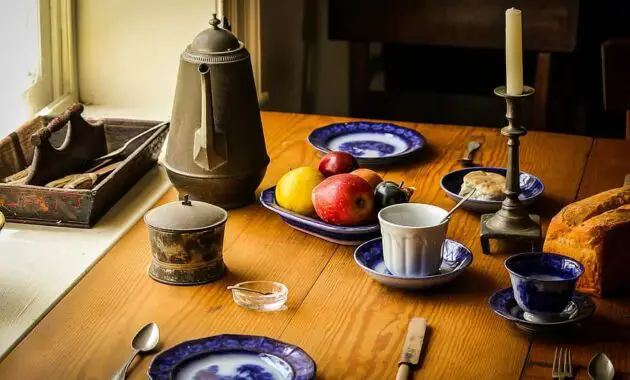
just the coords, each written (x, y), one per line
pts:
(74, 207)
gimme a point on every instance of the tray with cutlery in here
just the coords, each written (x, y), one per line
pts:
(69, 171)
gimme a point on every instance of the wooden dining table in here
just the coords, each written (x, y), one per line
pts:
(352, 326)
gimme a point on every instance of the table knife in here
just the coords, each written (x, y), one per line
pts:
(626, 181)
(411, 349)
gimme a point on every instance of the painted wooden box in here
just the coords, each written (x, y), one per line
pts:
(80, 208)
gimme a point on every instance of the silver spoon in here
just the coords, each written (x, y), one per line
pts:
(472, 147)
(457, 206)
(249, 290)
(145, 340)
(601, 368)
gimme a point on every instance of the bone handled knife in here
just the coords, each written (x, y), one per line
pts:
(626, 181)
(411, 349)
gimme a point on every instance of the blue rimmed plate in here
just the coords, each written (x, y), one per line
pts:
(456, 257)
(504, 304)
(345, 235)
(371, 143)
(531, 189)
(232, 357)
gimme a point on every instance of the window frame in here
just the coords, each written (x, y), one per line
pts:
(244, 16)
(61, 40)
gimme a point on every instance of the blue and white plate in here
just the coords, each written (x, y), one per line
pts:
(455, 259)
(345, 235)
(504, 304)
(370, 143)
(531, 189)
(233, 357)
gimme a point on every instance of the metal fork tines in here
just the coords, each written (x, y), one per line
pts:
(562, 367)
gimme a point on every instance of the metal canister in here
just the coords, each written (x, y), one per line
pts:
(186, 242)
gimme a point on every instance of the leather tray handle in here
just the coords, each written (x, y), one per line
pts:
(55, 124)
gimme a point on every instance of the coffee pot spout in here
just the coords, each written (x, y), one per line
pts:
(209, 147)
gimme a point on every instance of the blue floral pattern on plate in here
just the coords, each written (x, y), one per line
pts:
(531, 188)
(504, 304)
(455, 259)
(244, 372)
(358, 148)
(233, 357)
(372, 143)
(346, 235)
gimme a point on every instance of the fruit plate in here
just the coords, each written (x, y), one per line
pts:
(354, 235)
(531, 189)
(233, 357)
(371, 143)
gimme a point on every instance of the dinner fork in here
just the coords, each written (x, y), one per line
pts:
(562, 368)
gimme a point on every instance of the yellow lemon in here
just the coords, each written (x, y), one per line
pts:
(294, 189)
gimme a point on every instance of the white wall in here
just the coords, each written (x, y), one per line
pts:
(128, 52)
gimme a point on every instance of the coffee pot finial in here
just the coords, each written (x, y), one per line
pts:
(214, 21)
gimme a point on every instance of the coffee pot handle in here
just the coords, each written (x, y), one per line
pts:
(209, 150)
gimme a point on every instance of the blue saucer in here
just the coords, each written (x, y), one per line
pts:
(345, 235)
(504, 304)
(531, 189)
(233, 357)
(456, 258)
(369, 142)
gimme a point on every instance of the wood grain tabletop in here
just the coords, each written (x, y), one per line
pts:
(352, 326)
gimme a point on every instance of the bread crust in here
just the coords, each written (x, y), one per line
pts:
(596, 232)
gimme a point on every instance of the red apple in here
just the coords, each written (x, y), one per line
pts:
(337, 163)
(344, 200)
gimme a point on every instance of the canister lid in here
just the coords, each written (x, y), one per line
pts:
(215, 39)
(185, 215)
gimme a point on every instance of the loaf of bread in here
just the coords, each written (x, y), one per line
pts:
(596, 232)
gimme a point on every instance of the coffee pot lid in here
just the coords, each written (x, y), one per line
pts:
(185, 216)
(215, 40)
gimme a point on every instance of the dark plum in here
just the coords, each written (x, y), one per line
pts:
(390, 193)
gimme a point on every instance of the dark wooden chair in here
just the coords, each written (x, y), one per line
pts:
(616, 77)
(550, 26)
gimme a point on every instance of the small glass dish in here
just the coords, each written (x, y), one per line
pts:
(260, 295)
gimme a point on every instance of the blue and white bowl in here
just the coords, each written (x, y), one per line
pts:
(455, 259)
(543, 283)
(531, 189)
(371, 143)
(345, 235)
(233, 357)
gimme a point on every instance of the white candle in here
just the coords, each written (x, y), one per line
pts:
(514, 51)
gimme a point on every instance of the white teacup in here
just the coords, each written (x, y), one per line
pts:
(412, 238)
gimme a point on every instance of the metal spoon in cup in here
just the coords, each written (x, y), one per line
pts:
(457, 206)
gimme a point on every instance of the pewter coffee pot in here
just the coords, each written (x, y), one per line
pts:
(216, 149)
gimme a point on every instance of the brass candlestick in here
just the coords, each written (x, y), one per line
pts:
(512, 221)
